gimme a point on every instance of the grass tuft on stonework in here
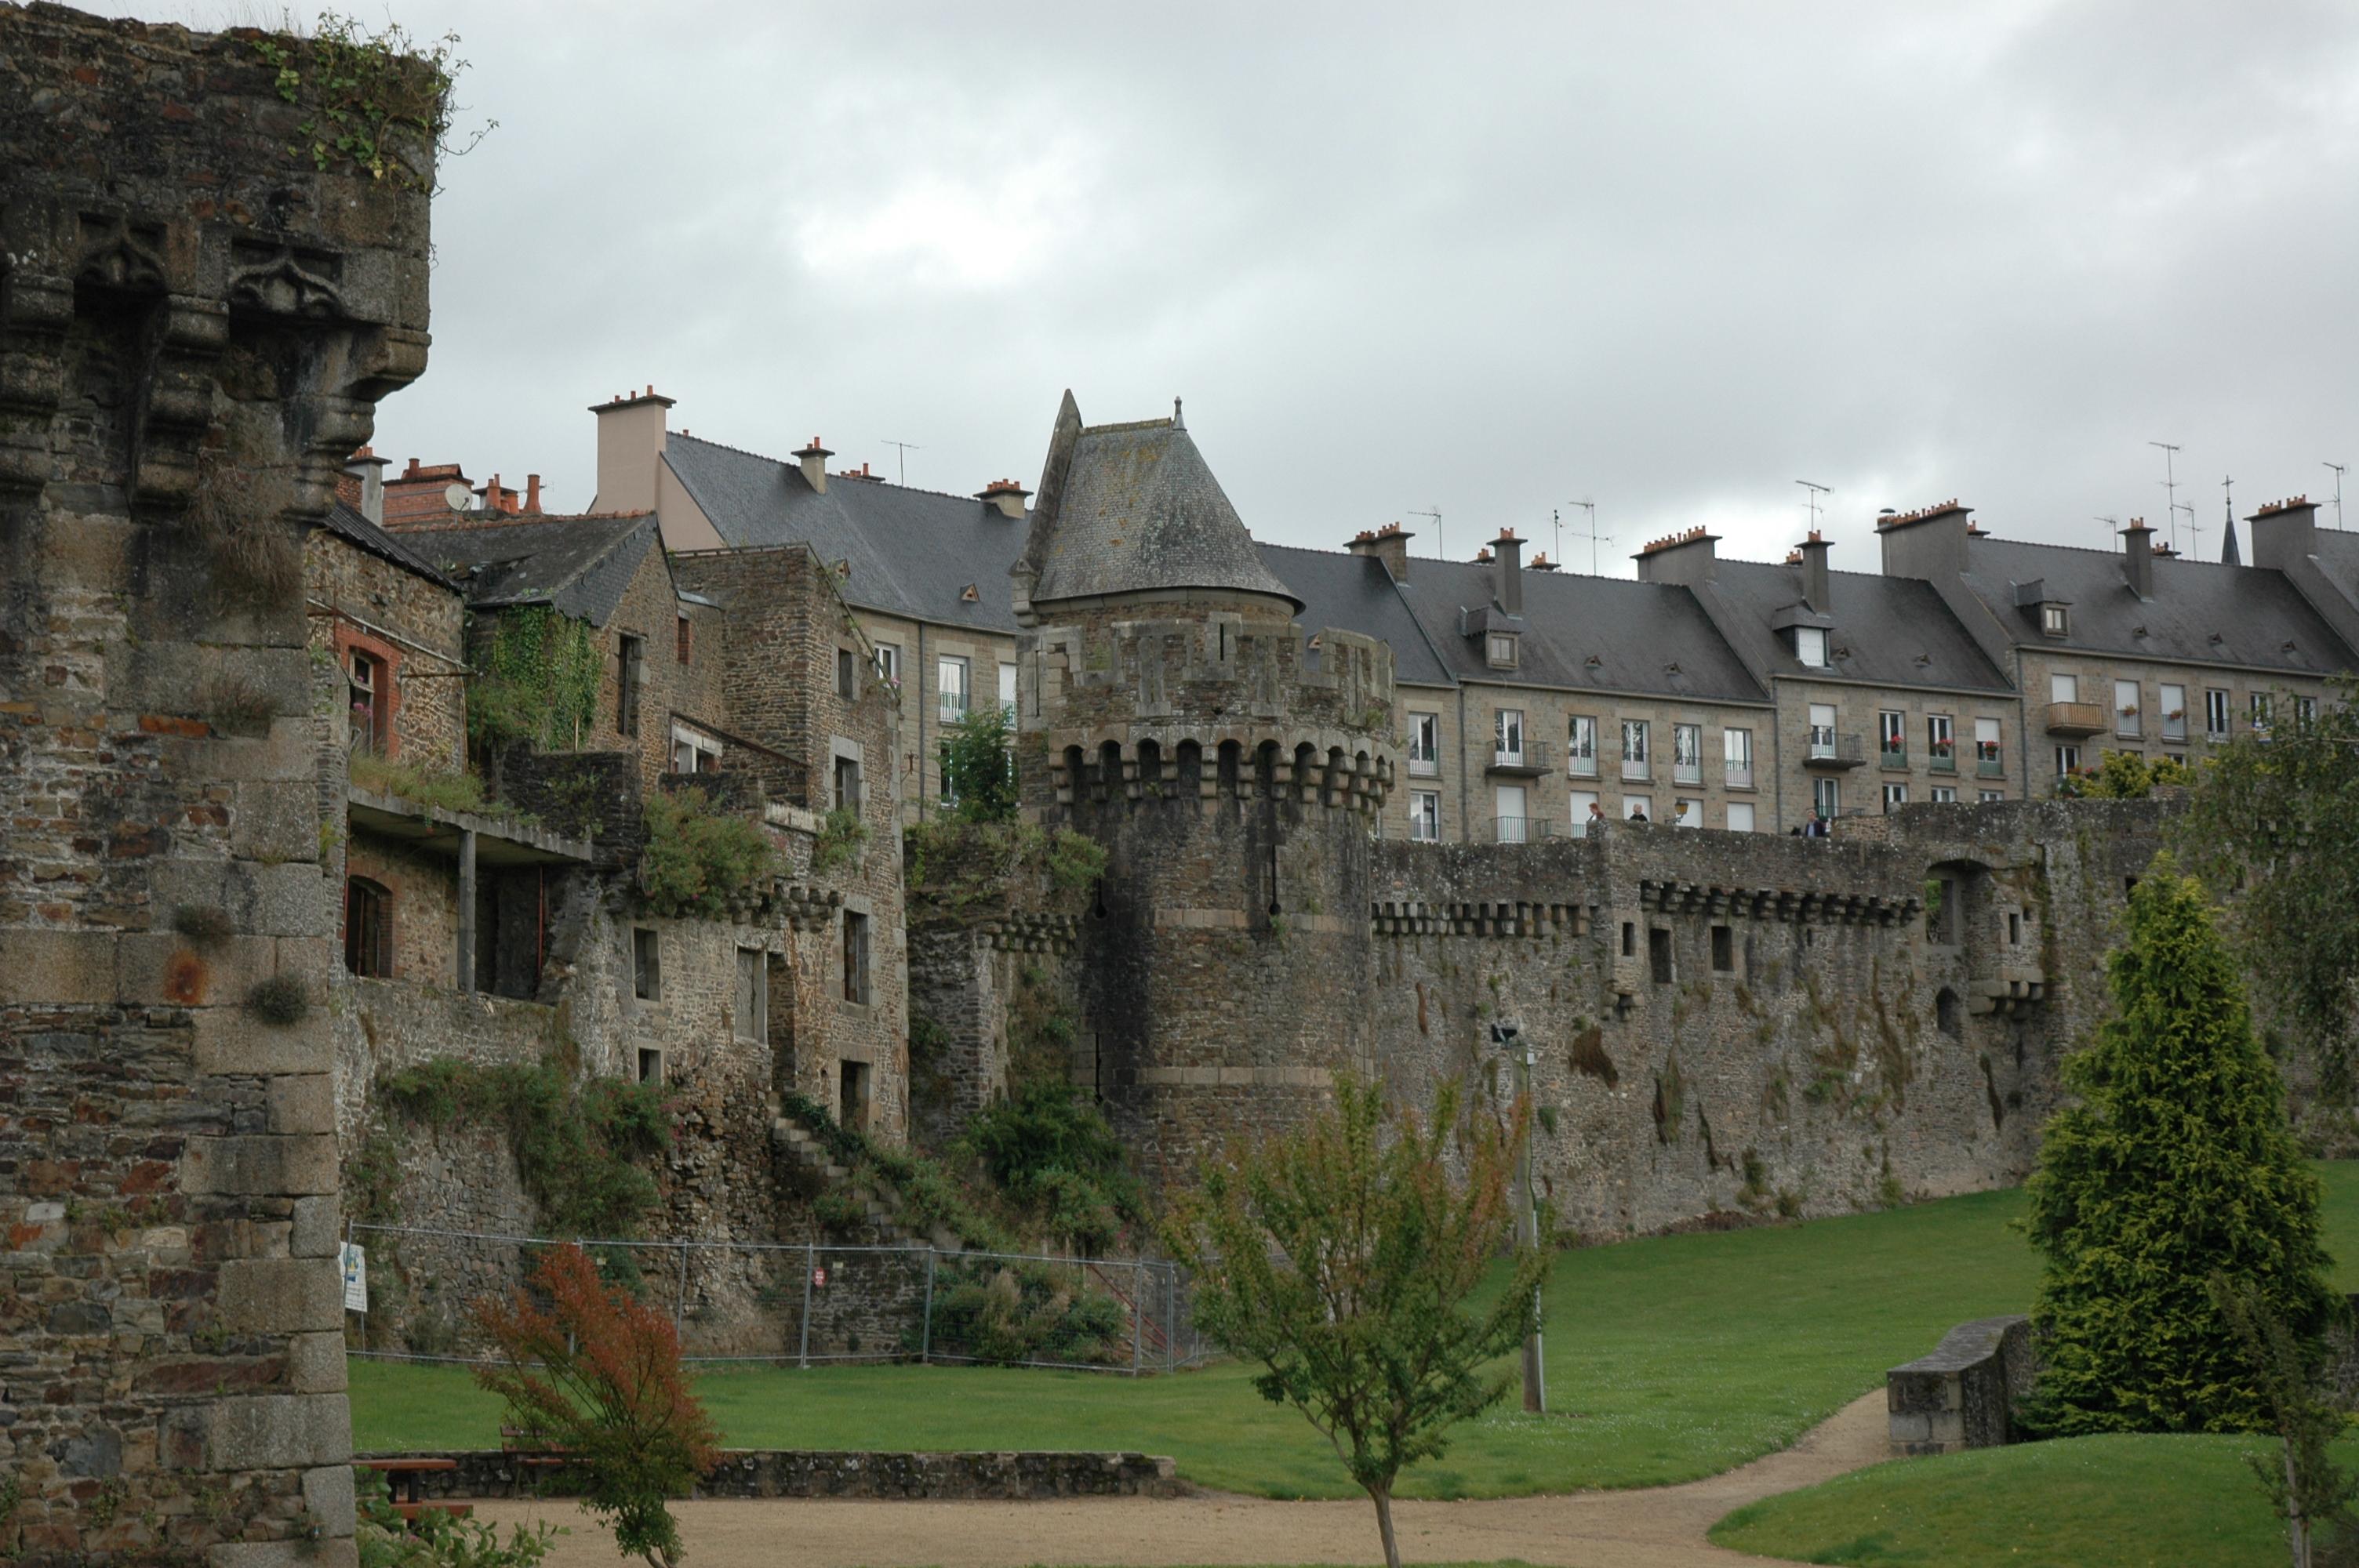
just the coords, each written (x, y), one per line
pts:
(1669, 1358)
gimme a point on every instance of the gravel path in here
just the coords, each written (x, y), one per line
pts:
(1659, 1527)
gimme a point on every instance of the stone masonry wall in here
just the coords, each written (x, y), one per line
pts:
(194, 329)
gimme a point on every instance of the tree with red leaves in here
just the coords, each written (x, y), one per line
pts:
(596, 1380)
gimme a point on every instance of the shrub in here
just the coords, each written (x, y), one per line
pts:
(2174, 1165)
(541, 676)
(1054, 1154)
(979, 766)
(842, 836)
(1010, 1313)
(204, 924)
(386, 1539)
(281, 1000)
(596, 1380)
(698, 860)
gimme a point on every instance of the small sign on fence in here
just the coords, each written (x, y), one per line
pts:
(356, 1263)
(818, 1276)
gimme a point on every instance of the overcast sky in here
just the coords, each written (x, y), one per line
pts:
(1397, 259)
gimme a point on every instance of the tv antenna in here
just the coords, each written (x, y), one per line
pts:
(906, 447)
(2113, 526)
(2169, 486)
(2338, 469)
(1810, 494)
(1593, 536)
(2194, 529)
(1434, 512)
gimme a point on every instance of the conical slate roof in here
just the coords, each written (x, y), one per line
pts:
(1124, 508)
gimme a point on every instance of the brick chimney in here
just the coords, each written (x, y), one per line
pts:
(1686, 558)
(1817, 584)
(2283, 532)
(2137, 558)
(814, 461)
(369, 470)
(1540, 563)
(1388, 544)
(1929, 544)
(630, 449)
(1005, 494)
(532, 492)
(1510, 570)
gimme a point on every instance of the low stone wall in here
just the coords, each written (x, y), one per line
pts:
(1961, 1395)
(825, 1473)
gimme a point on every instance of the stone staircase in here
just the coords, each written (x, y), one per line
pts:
(792, 1141)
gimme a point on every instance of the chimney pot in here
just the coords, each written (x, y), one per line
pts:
(1388, 545)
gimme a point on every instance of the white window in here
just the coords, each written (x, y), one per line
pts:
(1944, 795)
(2215, 714)
(1987, 759)
(1892, 737)
(1503, 649)
(1688, 813)
(2067, 760)
(1687, 753)
(1940, 742)
(2063, 689)
(1988, 796)
(2305, 710)
(1425, 744)
(1823, 730)
(2056, 620)
(2125, 708)
(1584, 804)
(888, 663)
(2261, 704)
(951, 688)
(1826, 797)
(1634, 748)
(1736, 746)
(1580, 747)
(1007, 691)
(1895, 795)
(1508, 812)
(1638, 808)
(2174, 712)
(1740, 817)
(1810, 646)
(1425, 815)
(1507, 736)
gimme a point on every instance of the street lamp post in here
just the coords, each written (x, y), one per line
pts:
(1527, 1218)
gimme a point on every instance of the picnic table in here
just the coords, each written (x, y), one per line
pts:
(403, 1474)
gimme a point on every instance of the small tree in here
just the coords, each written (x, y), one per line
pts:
(979, 765)
(1345, 1259)
(2306, 1487)
(596, 1380)
(2175, 1164)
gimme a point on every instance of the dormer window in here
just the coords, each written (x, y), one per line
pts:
(1500, 646)
(2056, 620)
(1810, 646)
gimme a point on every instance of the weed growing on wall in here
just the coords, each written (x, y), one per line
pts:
(448, 789)
(956, 868)
(380, 102)
(841, 837)
(579, 1148)
(698, 860)
(541, 674)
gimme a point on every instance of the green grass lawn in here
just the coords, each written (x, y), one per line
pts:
(1668, 1359)
(2090, 1502)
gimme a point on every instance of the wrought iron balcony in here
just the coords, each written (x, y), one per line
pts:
(1530, 762)
(1829, 750)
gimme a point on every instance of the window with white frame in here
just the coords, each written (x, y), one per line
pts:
(2126, 706)
(1687, 812)
(1508, 817)
(1892, 737)
(1944, 795)
(1810, 646)
(1823, 730)
(1581, 746)
(1501, 650)
(1826, 797)
(1895, 795)
(2067, 760)
(1507, 736)
(1634, 748)
(1988, 796)
(1940, 742)
(2215, 714)
(2263, 706)
(951, 688)
(1740, 817)
(888, 663)
(1687, 754)
(1425, 815)
(1989, 760)
(2174, 712)
(2305, 710)
(1584, 807)
(1007, 691)
(1736, 749)
(1638, 808)
(2056, 620)
(1425, 744)
(2063, 687)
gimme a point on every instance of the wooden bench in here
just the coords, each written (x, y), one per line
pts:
(402, 1476)
(512, 1448)
(433, 1506)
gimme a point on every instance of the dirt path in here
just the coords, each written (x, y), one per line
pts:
(1657, 1528)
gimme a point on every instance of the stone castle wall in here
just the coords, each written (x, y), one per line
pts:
(195, 326)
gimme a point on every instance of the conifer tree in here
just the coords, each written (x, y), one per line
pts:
(2175, 1164)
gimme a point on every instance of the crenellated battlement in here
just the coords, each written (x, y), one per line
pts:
(1338, 769)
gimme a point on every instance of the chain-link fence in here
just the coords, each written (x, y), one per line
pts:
(803, 1304)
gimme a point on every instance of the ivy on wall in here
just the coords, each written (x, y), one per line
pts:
(542, 674)
(699, 860)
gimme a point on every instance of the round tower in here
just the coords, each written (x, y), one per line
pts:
(1234, 766)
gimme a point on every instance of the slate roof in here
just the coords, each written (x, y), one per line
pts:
(578, 566)
(1890, 631)
(1138, 508)
(913, 553)
(2337, 555)
(2253, 614)
(1637, 631)
(354, 529)
(1356, 593)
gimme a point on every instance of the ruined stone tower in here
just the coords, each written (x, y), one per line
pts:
(1233, 766)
